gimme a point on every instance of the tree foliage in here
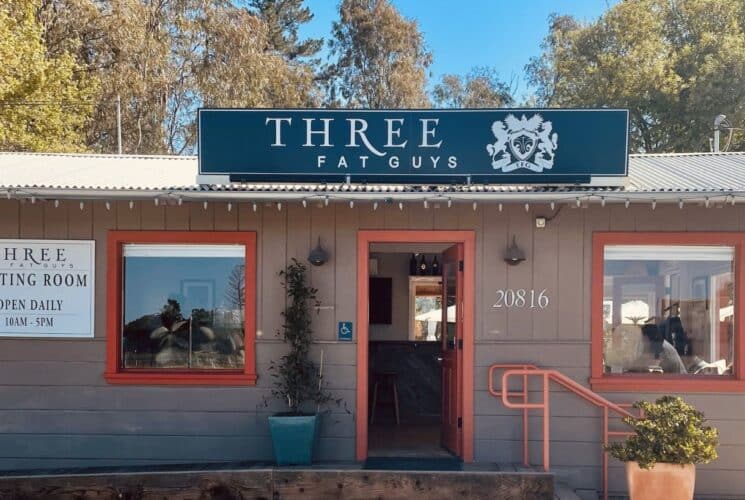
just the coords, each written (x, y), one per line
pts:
(480, 88)
(283, 19)
(165, 58)
(674, 63)
(45, 100)
(380, 58)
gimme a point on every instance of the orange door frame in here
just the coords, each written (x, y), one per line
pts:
(468, 240)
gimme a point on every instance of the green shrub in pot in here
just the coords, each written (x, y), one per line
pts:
(671, 431)
(298, 379)
(670, 438)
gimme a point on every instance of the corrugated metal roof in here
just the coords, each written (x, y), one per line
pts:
(689, 172)
(651, 173)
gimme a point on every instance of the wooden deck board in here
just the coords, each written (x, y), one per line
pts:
(282, 483)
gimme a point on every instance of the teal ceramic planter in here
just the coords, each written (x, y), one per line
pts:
(294, 438)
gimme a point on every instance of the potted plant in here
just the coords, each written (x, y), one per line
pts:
(298, 380)
(670, 439)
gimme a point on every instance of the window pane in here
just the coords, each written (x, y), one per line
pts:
(183, 306)
(668, 309)
(427, 317)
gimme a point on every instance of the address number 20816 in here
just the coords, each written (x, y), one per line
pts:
(521, 298)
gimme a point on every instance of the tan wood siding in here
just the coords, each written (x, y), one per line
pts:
(57, 410)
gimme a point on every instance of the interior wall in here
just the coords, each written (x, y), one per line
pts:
(396, 267)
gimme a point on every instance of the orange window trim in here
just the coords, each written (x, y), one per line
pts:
(601, 381)
(114, 373)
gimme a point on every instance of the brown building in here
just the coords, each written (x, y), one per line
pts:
(630, 291)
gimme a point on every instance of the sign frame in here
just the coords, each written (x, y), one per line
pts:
(225, 162)
(91, 245)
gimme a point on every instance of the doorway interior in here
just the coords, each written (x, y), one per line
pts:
(415, 338)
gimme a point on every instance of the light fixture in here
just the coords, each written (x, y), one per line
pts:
(514, 254)
(318, 256)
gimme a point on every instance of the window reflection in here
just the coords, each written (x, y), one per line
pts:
(668, 310)
(183, 307)
(425, 300)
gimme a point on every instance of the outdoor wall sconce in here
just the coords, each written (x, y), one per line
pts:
(318, 256)
(514, 255)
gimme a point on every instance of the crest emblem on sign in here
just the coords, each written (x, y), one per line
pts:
(523, 143)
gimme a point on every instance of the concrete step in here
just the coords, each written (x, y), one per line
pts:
(563, 491)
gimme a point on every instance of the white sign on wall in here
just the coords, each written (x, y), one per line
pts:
(47, 288)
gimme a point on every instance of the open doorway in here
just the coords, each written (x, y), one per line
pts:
(405, 351)
(415, 338)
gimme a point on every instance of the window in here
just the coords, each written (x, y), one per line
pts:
(181, 308)
(425, 308)
(665, 311)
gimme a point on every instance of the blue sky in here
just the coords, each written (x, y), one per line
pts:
(465, 33)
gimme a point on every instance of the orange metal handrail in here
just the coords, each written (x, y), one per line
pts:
(547, 376)
(523, 393)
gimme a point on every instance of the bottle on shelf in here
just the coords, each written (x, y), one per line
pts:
(413, 266)
(423, 266)
(435, 271)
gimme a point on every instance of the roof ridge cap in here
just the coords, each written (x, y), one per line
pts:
(100, 155)
(700, 153)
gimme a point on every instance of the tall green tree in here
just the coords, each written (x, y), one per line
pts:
(379, 58)
(479, 88)
(674, 63)
(283, 19)
(45, 100)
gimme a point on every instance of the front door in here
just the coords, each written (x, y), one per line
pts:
(452, 348)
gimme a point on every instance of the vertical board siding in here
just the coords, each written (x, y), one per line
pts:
(55, 221)
(56, 409)
(9, 218)
(32, 220)
(545, 266)
(520, 227)
(103, 220)
(323, 225)
(274, 258)
(493, 272)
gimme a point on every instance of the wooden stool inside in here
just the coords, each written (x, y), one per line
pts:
(385, 381)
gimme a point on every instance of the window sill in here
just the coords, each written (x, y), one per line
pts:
(226, 379)
(669, 384)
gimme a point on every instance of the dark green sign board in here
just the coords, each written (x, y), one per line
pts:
(414, 146)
